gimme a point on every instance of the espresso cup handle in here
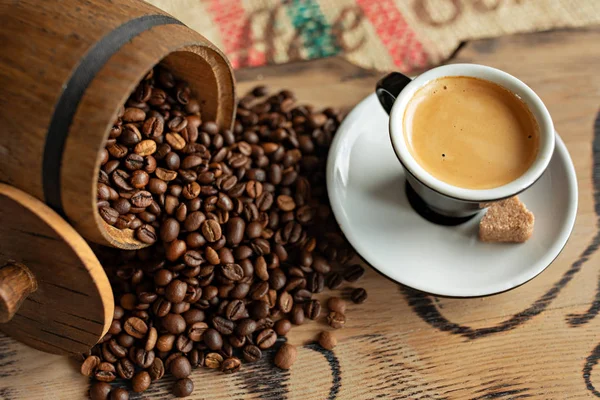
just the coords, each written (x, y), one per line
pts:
(389, 87)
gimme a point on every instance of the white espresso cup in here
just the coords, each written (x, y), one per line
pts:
(434, 199)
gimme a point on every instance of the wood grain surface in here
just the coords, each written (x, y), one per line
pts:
(538, 341)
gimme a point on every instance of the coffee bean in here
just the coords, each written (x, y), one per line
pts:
(245, 327)
(143, 358)
(359, 296)
(196, 358)
(107, 355)
(259, 309)
(105, 372)
(141, 382)
(211, 230)
(125, 340)
(194, 220)
(211, 256)
(233, 272)
(213, 339)
(286, 302)
(180, 367)
(169, 230)
(100, 391)
(175, 250)
(354, 273)
(334, 281)
(213, 360)
(141, 199)
(156, 369)
(89, 366)
(163, 277)
(146, 234)
(336, 320)
(260, 267)
(252, 353)
(196, 331)
(125, 368)
(261, 246)
(223, 325)
(161, 307)
(235, 310)
(136, 327)
(315, 282)
(302, 296)
(312, 309)
(235, 231)
(175, 291)
(175, 140)
(321, 265)
(183, 387)
(119, 394)
(254, 189)
(327, 340)
(277, 279)
(165, 174)
(115, 348)
(173, 323)
(285, 203)
(165, 342)
(242, 252)
(258, 290)
(231, 365)
(336, 304)
(282, 327)
(150, 164)
(133, 114)
(108, 214)
(180, 308)
(297, 316)
(266, 338)
(286, 356)
(191, 190)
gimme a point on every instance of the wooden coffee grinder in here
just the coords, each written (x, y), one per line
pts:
(65, 69)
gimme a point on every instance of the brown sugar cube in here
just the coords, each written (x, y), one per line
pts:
(507, 221)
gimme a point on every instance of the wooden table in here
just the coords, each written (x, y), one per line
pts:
(541, 340)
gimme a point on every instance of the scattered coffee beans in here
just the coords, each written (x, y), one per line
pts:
(359, 295)
(354, 273)
(286, 356)
(336, 320)
(100, 391)
(119, 394)
(141, 382)
(183, 387)
(327, 340)
(243, 230)
(336, 304)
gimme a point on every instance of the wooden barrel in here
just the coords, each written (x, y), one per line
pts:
(65, 69)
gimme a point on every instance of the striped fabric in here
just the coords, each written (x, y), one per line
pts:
(380, 34)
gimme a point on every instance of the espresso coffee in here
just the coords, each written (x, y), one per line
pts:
(470, 133)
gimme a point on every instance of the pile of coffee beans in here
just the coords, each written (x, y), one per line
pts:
(243, 230)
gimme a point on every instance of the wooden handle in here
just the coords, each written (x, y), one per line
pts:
(16, 283)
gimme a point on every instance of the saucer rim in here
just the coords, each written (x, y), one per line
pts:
(555, 250)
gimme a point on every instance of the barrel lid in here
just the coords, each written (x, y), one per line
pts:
(72, 305)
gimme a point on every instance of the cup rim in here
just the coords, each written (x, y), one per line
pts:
(516, 86)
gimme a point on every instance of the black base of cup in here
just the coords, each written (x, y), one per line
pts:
(429, 214)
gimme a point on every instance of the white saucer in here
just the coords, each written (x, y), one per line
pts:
(366, 189)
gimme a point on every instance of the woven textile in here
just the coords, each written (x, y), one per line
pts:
(380, 34)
